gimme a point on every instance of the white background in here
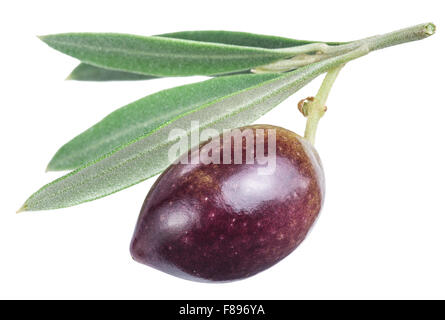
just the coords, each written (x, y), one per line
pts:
(382, 231)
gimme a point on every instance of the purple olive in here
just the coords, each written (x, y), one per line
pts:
(223, 222)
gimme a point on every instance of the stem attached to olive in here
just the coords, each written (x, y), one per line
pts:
(316, 108)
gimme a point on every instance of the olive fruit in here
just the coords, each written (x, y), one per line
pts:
(227, 221)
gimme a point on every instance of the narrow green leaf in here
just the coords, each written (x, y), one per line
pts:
(148, 155)
(86, 72)
(241, 39)
(160, 56)
(145, 115)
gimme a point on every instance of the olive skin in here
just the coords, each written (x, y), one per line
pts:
(225, 222)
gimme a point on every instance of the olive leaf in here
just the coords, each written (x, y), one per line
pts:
(147, 155)
(161, 56)
(145, 115)
(241, 39)
(86, 72)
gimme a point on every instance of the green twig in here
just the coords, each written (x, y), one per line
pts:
(314, 52)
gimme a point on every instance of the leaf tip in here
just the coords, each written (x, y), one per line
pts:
(49, 168)
(42, 38)
(22, 208)
(53, 165)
